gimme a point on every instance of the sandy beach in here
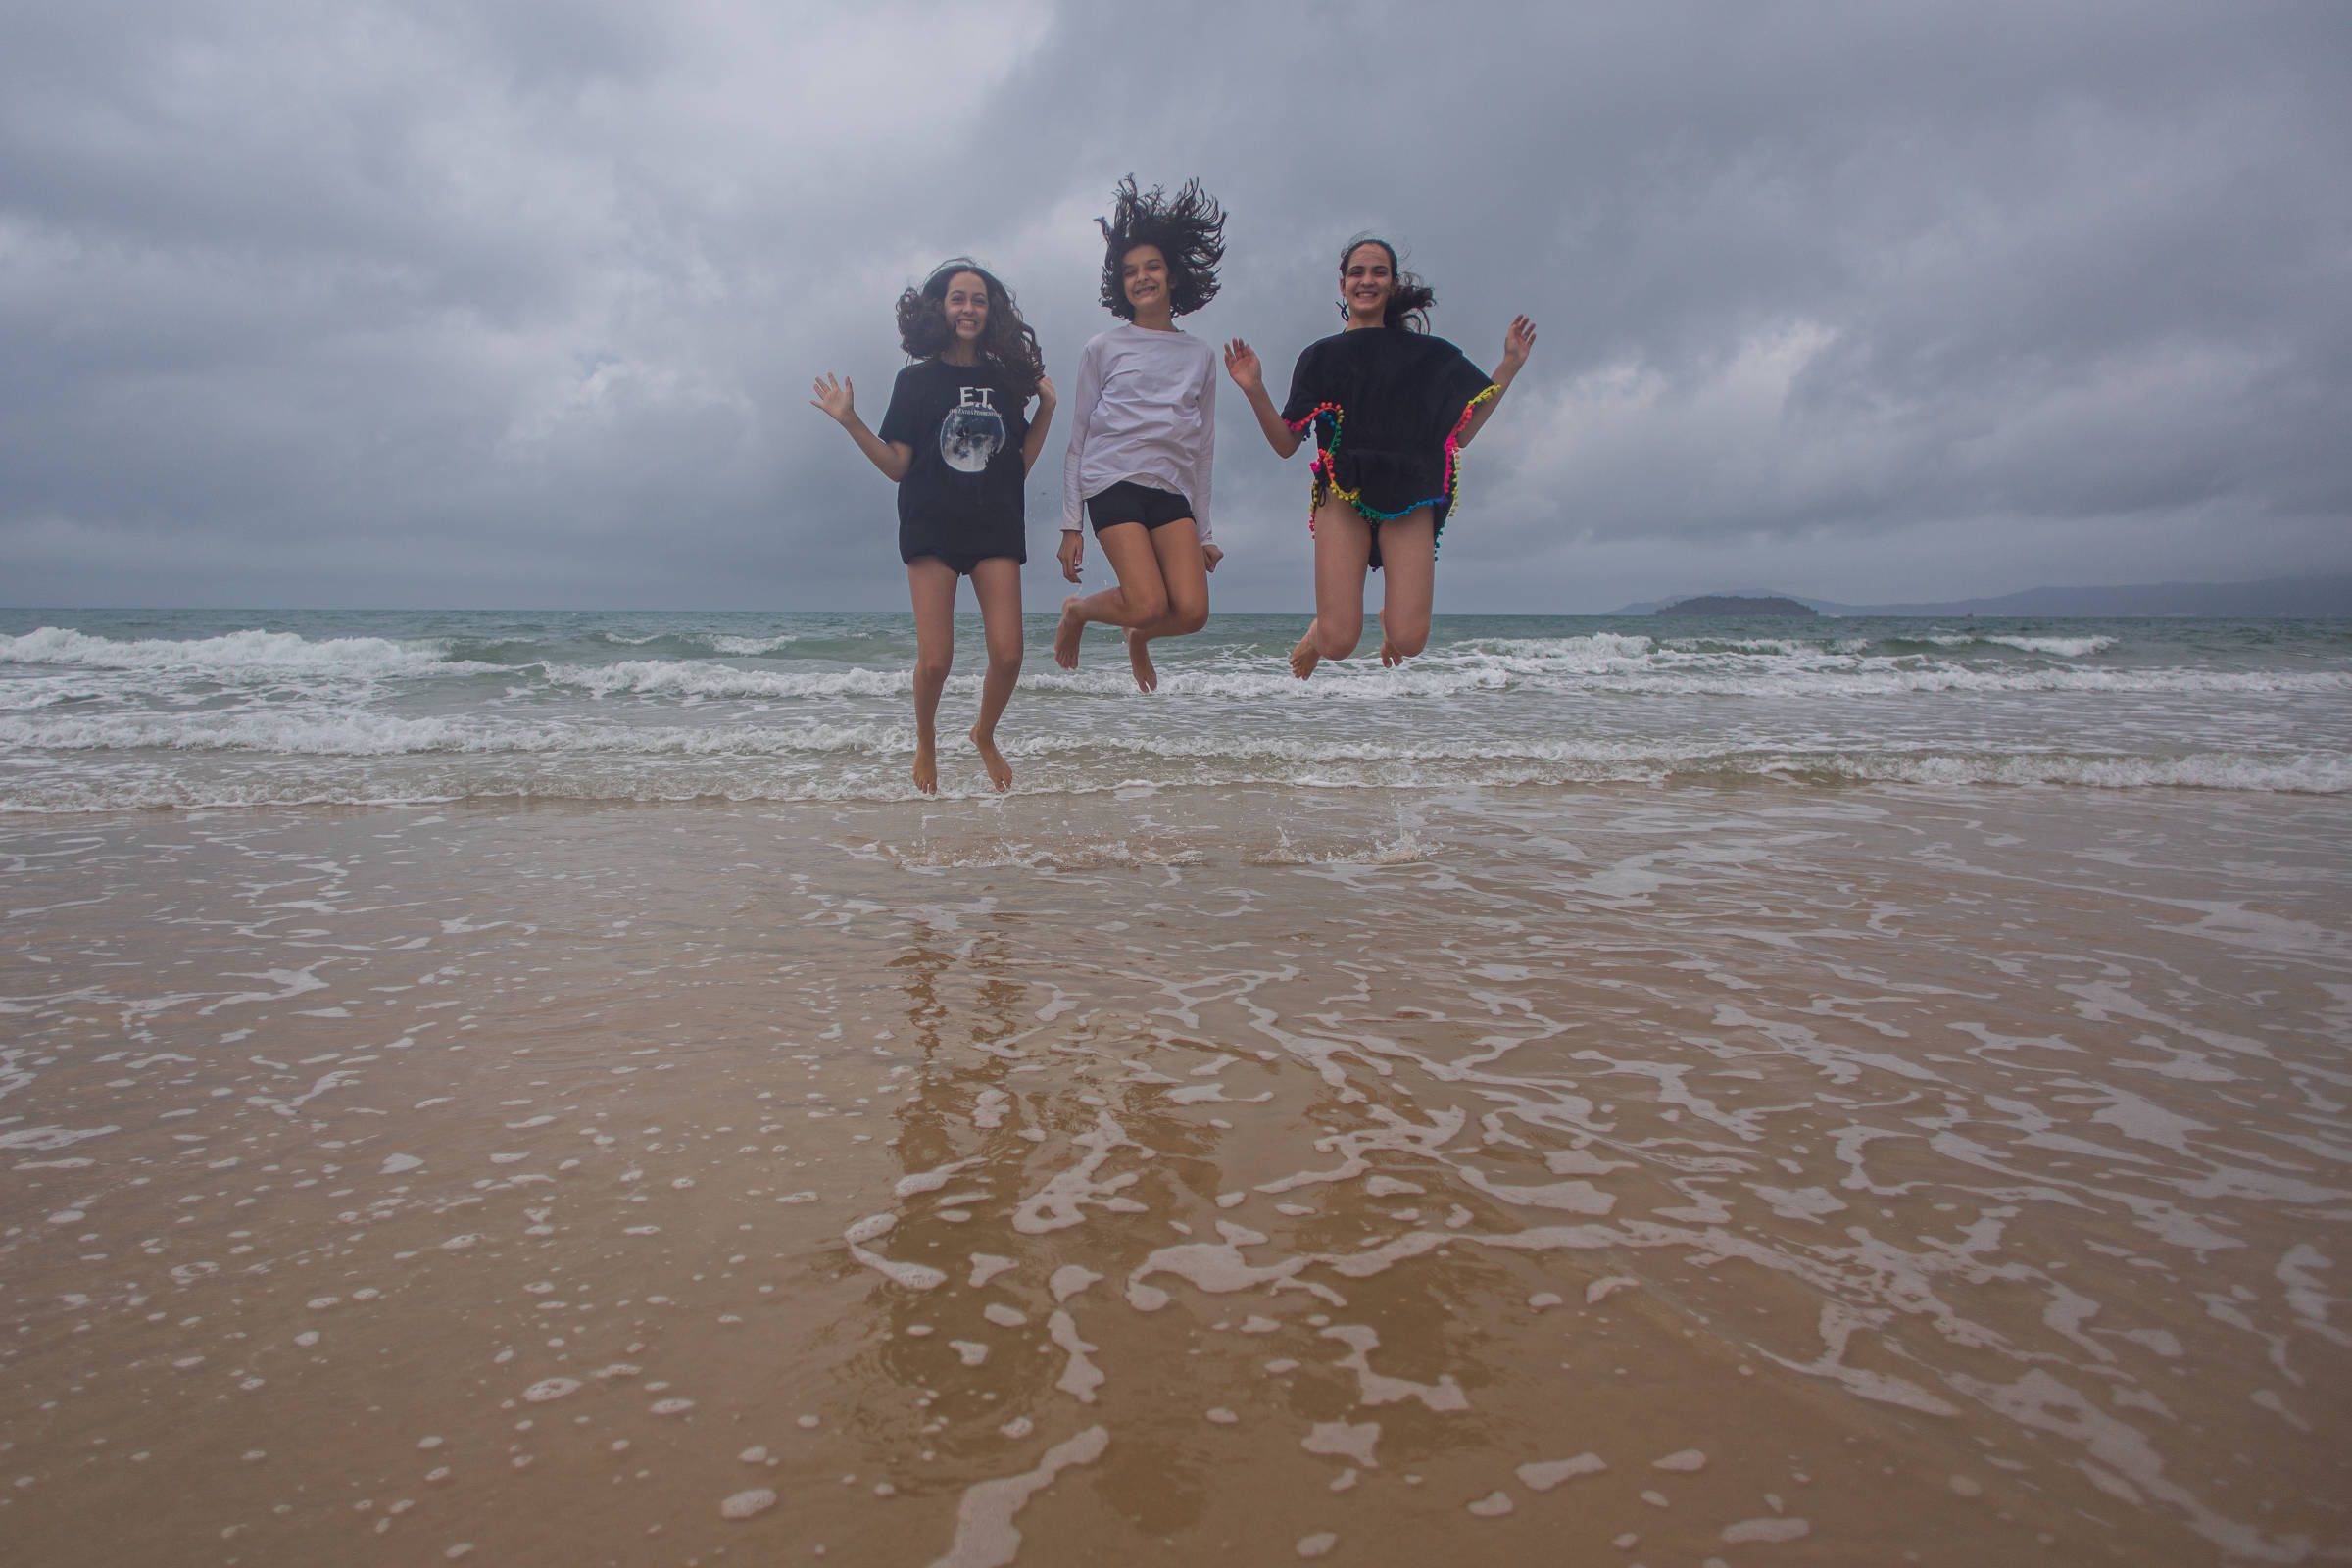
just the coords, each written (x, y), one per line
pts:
(1641, 1175)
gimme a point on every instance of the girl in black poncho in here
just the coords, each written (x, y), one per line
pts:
(1391, 408)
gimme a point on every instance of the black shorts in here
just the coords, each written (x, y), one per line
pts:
(1129, 502)
(962, 564)
(962, 549)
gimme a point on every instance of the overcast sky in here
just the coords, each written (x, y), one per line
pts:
(515, 303)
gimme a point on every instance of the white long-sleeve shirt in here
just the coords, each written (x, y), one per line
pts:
(1145, 409)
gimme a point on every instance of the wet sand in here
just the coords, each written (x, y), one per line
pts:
(1628, 1175)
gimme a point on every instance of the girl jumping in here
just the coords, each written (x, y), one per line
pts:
(1391, 408)
(1144, 428)
(956, 443)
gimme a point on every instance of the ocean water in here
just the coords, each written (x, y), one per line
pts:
(103, 710)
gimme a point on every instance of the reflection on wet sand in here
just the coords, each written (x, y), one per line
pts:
(1637, 1177)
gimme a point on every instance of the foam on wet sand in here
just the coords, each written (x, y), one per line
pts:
(1988, 1151)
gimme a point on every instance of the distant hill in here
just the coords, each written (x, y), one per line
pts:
(2320, 597)
(1736, 605)
(1647, 607)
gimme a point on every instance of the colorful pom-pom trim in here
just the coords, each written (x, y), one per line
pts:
(1328, 419)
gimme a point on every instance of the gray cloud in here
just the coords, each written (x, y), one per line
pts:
(517, 303)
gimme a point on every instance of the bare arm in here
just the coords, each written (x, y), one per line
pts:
(836, 398)
(1241, 363)
(1035, 441)
(1072, 551)
(1516, 344)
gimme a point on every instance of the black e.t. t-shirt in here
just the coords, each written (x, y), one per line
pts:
(961, 498)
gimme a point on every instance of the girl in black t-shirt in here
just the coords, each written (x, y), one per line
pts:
(1391, 408)
(957, 444)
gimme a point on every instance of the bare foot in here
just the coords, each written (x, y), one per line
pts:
(1305, 657)
(999, 771)
(926, 765)
(1391, 655)
(1066, 635)
(1139, 659)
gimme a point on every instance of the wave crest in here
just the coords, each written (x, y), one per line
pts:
(231, 654)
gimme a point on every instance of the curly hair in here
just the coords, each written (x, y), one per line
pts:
(1189, 228)
(1007, 342)
(1408, 302)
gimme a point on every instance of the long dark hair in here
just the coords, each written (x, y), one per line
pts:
(1189, 228)
(1408, 302)
(1007, 343)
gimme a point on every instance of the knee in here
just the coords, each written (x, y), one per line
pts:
(1188, 612)
(1004, 658)
(1143, 602)
(930, 672)
(1337, 642)
(1409, 641)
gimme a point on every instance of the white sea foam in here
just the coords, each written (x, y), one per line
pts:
(94, 722)
(234, 655)
(1608, 664)
(300, 733)
(673, 677)
(985, 1534)
(151, 788)
(2063, 646)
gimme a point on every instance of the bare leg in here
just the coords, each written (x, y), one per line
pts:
(1139, 599)
(997, 584)
(1184, 571)
(932, 584)
(1342, 555)
(1409, 553)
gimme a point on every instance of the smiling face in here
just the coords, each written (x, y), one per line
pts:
(1366, 280)
(966, 308)
(1144, 275)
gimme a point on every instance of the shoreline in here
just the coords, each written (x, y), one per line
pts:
(2086, 780)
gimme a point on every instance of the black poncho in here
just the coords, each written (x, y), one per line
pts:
(1387, 407)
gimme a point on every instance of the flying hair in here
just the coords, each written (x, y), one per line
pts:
(1189, 228)
(1408, 301)
(1007, 343)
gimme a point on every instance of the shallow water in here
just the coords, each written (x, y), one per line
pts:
(109, 710)
(1644, 1175)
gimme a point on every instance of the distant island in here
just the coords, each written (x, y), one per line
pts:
(1736, 605)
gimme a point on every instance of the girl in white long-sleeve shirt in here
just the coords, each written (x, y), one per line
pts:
(1144, 430)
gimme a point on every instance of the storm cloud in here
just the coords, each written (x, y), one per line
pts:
(514, 302)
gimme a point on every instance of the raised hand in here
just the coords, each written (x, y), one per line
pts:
(835, 398)
(1518, 343)
(1241, 363)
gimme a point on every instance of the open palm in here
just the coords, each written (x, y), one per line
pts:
(836, 398)
(1241, 363)
(1518, 342)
